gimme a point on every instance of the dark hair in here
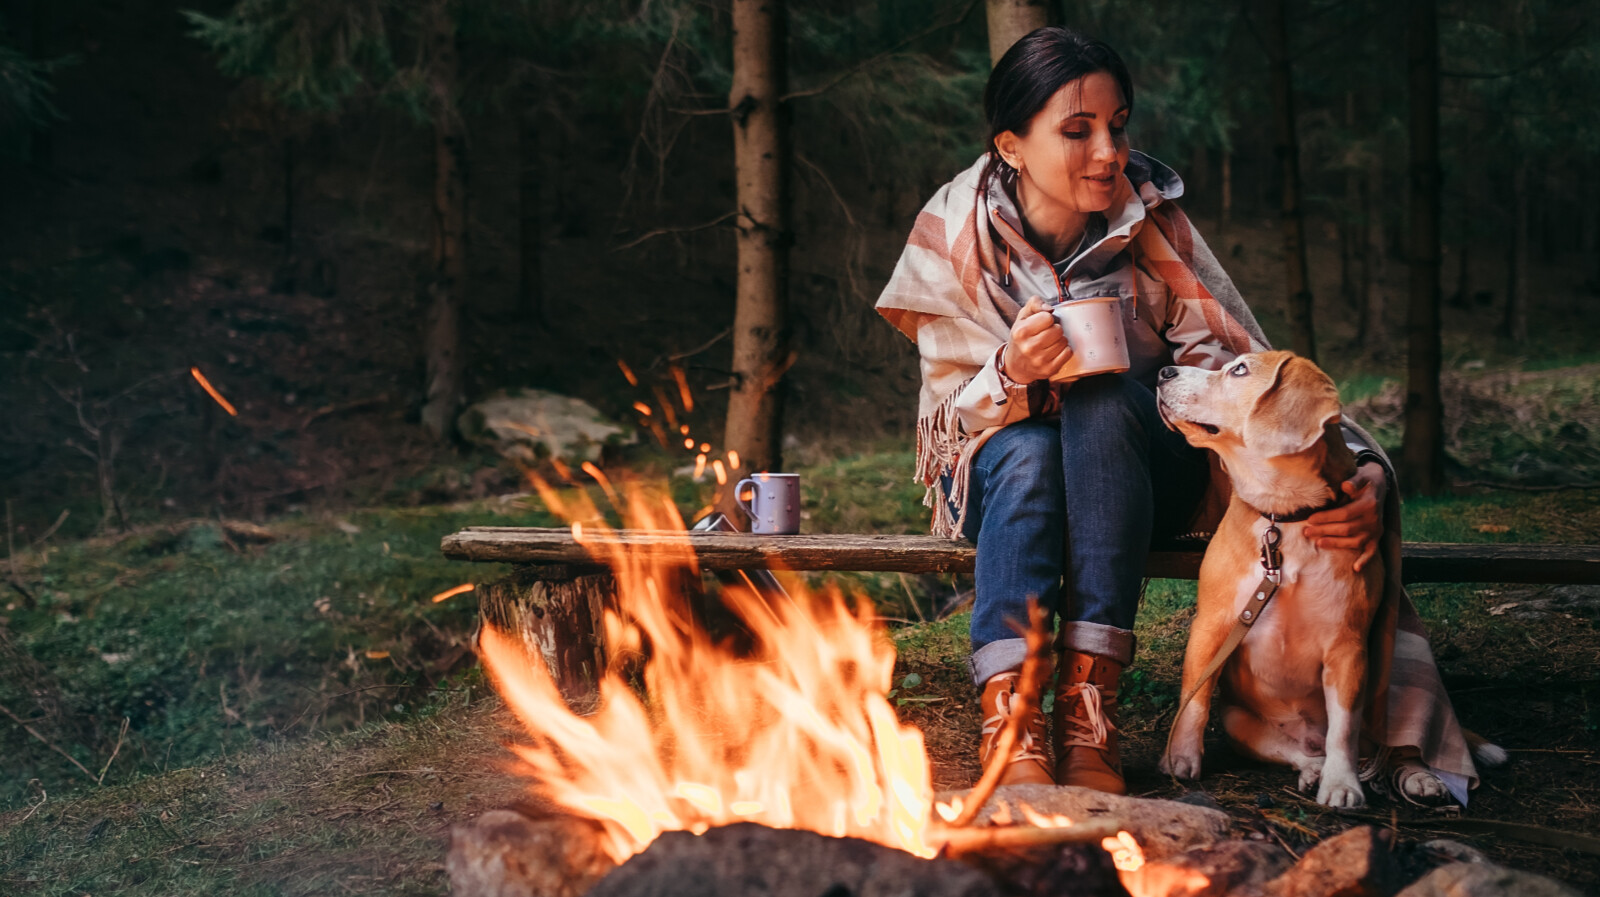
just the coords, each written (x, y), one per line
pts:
(1031, 72)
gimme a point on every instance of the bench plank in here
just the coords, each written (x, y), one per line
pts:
(1424, 561)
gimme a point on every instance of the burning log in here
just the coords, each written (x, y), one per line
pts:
(746, 859)
(1163, 828)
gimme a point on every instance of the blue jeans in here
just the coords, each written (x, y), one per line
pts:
(1081, 499)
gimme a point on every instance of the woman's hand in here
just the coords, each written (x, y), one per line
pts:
(1358, 524)
(1038, 348)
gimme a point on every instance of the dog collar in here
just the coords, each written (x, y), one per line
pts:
(1296, 516)
(1339, 498)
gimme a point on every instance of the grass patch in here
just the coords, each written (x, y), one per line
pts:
(206, 645)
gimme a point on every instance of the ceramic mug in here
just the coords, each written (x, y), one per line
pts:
(1093, 328)
(774, 505)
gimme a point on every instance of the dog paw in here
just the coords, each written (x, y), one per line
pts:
(1182, 764)
(1311, 773)
(1341, 793)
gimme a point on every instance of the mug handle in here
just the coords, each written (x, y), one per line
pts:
(738, 492)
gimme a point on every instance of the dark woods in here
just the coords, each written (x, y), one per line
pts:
(354, 216)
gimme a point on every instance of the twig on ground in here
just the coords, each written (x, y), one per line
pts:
(101, 779)
(45, 741)
(327, 410)
(51, 531)
(43, 796)
(1024, 705)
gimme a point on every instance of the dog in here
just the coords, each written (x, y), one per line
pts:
(1294, 689)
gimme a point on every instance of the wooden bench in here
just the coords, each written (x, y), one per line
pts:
(554, 597)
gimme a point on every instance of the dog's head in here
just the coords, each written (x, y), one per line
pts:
(1258, 407)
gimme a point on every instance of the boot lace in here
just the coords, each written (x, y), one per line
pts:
(1090, 728)
(1028, 747)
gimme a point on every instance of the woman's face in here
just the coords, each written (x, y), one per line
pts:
(1076, 147)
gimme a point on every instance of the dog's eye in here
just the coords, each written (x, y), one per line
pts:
(1239, 370)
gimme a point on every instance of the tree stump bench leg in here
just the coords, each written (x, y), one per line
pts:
(557, 614)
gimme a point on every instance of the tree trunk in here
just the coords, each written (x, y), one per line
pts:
(1370, 331)
(761, 167)
(529, 218)
(1010, 21)
(1422, 447)
(1516, 323)
(447, 279)
(1302, 337)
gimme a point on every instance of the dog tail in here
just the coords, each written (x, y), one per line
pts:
(1484, 752)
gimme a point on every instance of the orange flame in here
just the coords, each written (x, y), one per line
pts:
(451, 593)
(795, 732)
(683, 388)
(212, 390)
(1125, 852)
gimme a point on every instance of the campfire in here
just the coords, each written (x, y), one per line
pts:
(794, 731)
(783, 721)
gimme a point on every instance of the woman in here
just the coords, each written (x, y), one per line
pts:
(1076, 478)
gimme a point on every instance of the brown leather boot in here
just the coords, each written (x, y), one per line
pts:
(1085, 723)
(1027, 765)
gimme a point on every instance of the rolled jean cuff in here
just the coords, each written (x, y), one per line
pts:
(1098, 639)
(997, 657)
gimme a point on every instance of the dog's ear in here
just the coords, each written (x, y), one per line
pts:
(1289, 416)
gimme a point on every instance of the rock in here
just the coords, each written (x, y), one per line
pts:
(1228, 868)
(1444, 850)
(506, 854)
(531, 424)
(749, 859)
(1162, 827)
(1356, 863)
(1485, 880)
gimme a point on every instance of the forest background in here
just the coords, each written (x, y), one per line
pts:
(252, 190)
(314, 201)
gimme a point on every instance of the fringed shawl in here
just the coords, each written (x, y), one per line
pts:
(949, 297)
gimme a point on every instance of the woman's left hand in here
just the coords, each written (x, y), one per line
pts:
(1357, 524)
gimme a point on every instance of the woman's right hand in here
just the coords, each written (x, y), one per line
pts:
(1038, 348)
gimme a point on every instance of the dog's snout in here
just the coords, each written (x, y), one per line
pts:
(1169, 372)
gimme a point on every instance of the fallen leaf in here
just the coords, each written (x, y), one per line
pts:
(377, 655)
(1501, 609)
(1493, 528)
